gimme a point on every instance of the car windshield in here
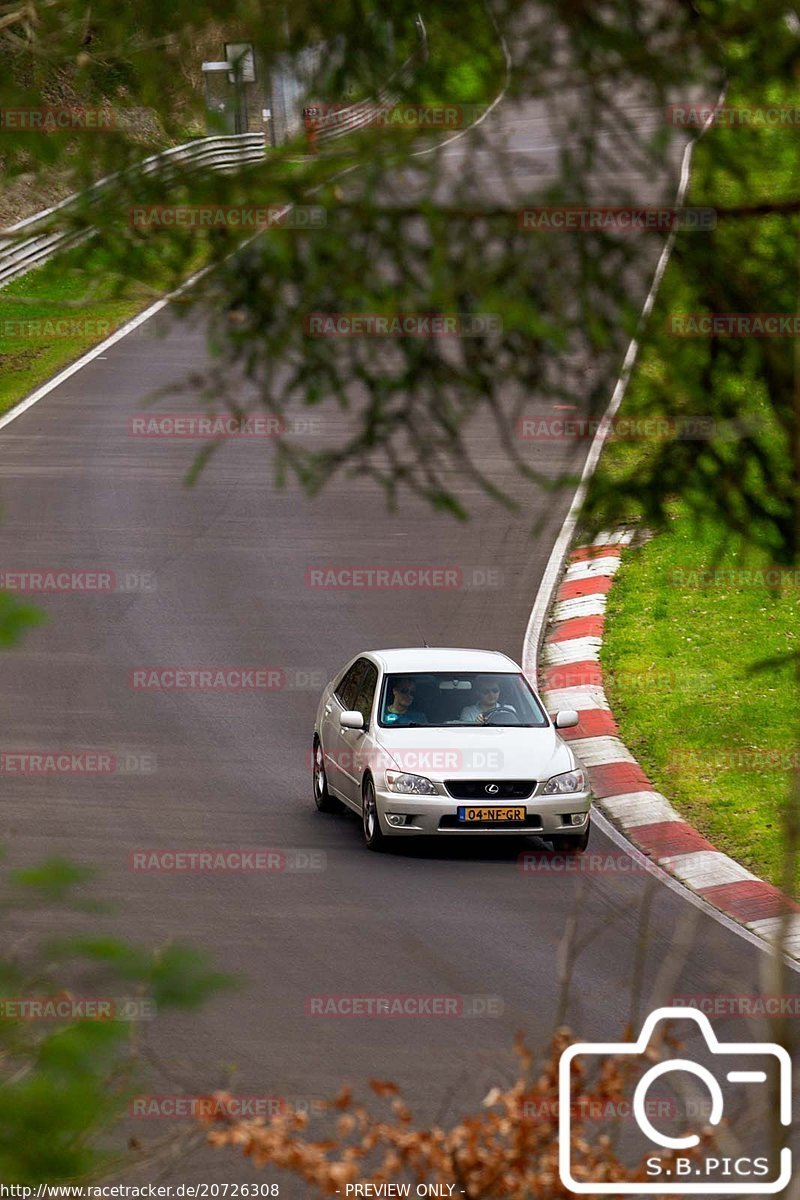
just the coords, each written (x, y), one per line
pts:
(467, 698)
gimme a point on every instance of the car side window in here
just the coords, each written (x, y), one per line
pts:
(347, 690)
(366, 692)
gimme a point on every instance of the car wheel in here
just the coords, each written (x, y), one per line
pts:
(374, 839)
(324, 801)
(571, 843)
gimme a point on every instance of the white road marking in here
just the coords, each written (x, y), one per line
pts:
(745, 932)
(770, 927)
(579, 698)
(580, 606)
(590, 568)
(573, 650)
(97, 351)
(552, 572)
(705, 868)
(594, 751)
(615, 537)
(640, 808)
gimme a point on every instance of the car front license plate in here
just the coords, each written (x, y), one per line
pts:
(515, 813)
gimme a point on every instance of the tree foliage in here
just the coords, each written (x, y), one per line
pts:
(71, 1013)
(408, 232)
(509, 1151)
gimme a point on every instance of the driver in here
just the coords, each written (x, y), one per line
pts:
(401, 710)
(487, 688)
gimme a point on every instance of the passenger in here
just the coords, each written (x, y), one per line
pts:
(400, 712)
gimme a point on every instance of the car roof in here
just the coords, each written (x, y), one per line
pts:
(443, 658)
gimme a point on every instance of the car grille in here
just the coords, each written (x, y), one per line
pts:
(531, 824)
(475, 789)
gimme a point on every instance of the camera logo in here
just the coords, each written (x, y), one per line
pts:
(674, 1174)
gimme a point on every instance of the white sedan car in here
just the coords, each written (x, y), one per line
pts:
(446, 741)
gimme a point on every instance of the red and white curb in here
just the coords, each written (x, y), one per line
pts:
(570, 676)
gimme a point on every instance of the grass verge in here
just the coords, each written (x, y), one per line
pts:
(688, 632)
(49, 317)
(56, 312)
(701, 625)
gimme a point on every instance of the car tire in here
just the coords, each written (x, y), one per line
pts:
(374, 838)
(571, 843)
(325, 802)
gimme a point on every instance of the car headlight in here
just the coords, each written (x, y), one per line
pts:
(570, 781)
(410, 785)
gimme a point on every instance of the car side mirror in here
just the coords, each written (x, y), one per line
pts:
(567, 718)
(350, 719)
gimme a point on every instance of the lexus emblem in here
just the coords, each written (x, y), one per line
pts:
(492, 789)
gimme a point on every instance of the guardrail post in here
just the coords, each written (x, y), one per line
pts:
(311, 123)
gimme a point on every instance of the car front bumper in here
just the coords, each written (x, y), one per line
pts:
(546, 815)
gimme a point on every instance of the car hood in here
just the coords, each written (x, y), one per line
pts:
(475, 752)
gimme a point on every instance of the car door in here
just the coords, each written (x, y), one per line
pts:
(360, 744)
(338, 751)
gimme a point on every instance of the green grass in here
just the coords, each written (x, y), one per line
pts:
(97, 288)
(700, 678)
(466, 66)
(78, 286)
(30, 352)
(466, 63)
(715, 734)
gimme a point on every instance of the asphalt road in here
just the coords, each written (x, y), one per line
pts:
(226, 585)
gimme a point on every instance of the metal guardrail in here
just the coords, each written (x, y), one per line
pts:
(337, 122)
(224, 153)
